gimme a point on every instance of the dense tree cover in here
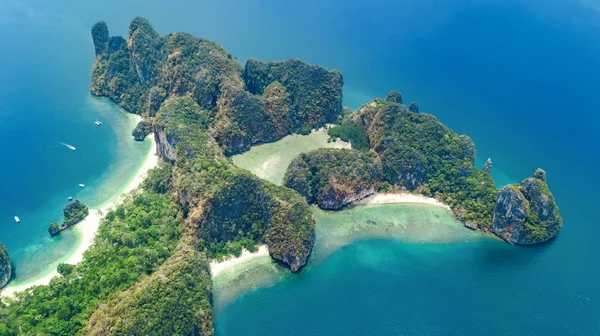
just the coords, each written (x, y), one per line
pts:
(354, 134)
(315, 94)
(75, 212)
(420, 153)
(410, 151)
(100, 37)
(174, 300)
(230, 207)
(332, 177)
(282, 97)
(132, 242)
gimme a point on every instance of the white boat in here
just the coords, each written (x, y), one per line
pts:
(98, 122)
(68, 146)
(82, 185)
(17, 219)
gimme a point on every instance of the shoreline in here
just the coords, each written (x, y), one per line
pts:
(217, 267)
(88, 227)
(400, 198)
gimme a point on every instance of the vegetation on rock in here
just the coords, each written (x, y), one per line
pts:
(75, 212)
(333, 178)
(54, 229)
(141, 130)
(526, 213)
(132, 242)
(5, 267)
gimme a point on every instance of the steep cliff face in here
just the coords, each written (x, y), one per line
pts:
(250, 211)
(333, 178)
(5, 266)
(526, 214)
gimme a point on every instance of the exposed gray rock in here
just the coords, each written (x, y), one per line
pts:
(5, 266)
(414, 107)
(336, 197)
(165, 145)
(395, 97)
(487, 167)
(526, 213)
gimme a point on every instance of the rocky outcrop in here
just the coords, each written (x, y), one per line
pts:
(165, 145)
(526, 213)
(54, 229)
(5, 266)
(394, 96)
(100, 36)
(414, 107)
(487, 167)
(333, 178)
(141, 130)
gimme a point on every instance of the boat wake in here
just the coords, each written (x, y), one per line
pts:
(67, 145)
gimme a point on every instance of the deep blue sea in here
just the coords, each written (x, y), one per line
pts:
(519, 77)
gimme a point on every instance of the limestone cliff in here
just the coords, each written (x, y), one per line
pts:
(5, 266)
(526, 213)
(333, 178)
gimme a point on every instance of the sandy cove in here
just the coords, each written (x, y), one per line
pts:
(217, 267)
(89, 226)
(400, 198)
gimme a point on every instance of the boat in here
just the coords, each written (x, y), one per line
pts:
(98, 122)
(68, 146)
(70, 198)
(17, 219)
(82, 185)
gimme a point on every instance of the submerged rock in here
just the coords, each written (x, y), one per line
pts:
(526, 213)
(5, 266)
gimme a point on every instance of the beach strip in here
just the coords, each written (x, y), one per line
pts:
(217, 267)
(89, 226)
(392, 198)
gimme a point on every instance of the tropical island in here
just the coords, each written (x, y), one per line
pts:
(148, 271)
(74, 213)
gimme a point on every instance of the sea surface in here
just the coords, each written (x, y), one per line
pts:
(45, 106)
(520, 77)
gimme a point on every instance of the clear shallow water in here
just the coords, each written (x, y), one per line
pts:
(410, 223)
(44, 100)
(270, 161)
(519, 77)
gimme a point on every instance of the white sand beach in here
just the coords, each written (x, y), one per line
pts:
(401, 198)
(89, 226)
(218, 267)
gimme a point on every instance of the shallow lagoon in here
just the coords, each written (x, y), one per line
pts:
(408, 223)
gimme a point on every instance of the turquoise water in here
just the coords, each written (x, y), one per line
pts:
(520, 77)
(44, 100)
